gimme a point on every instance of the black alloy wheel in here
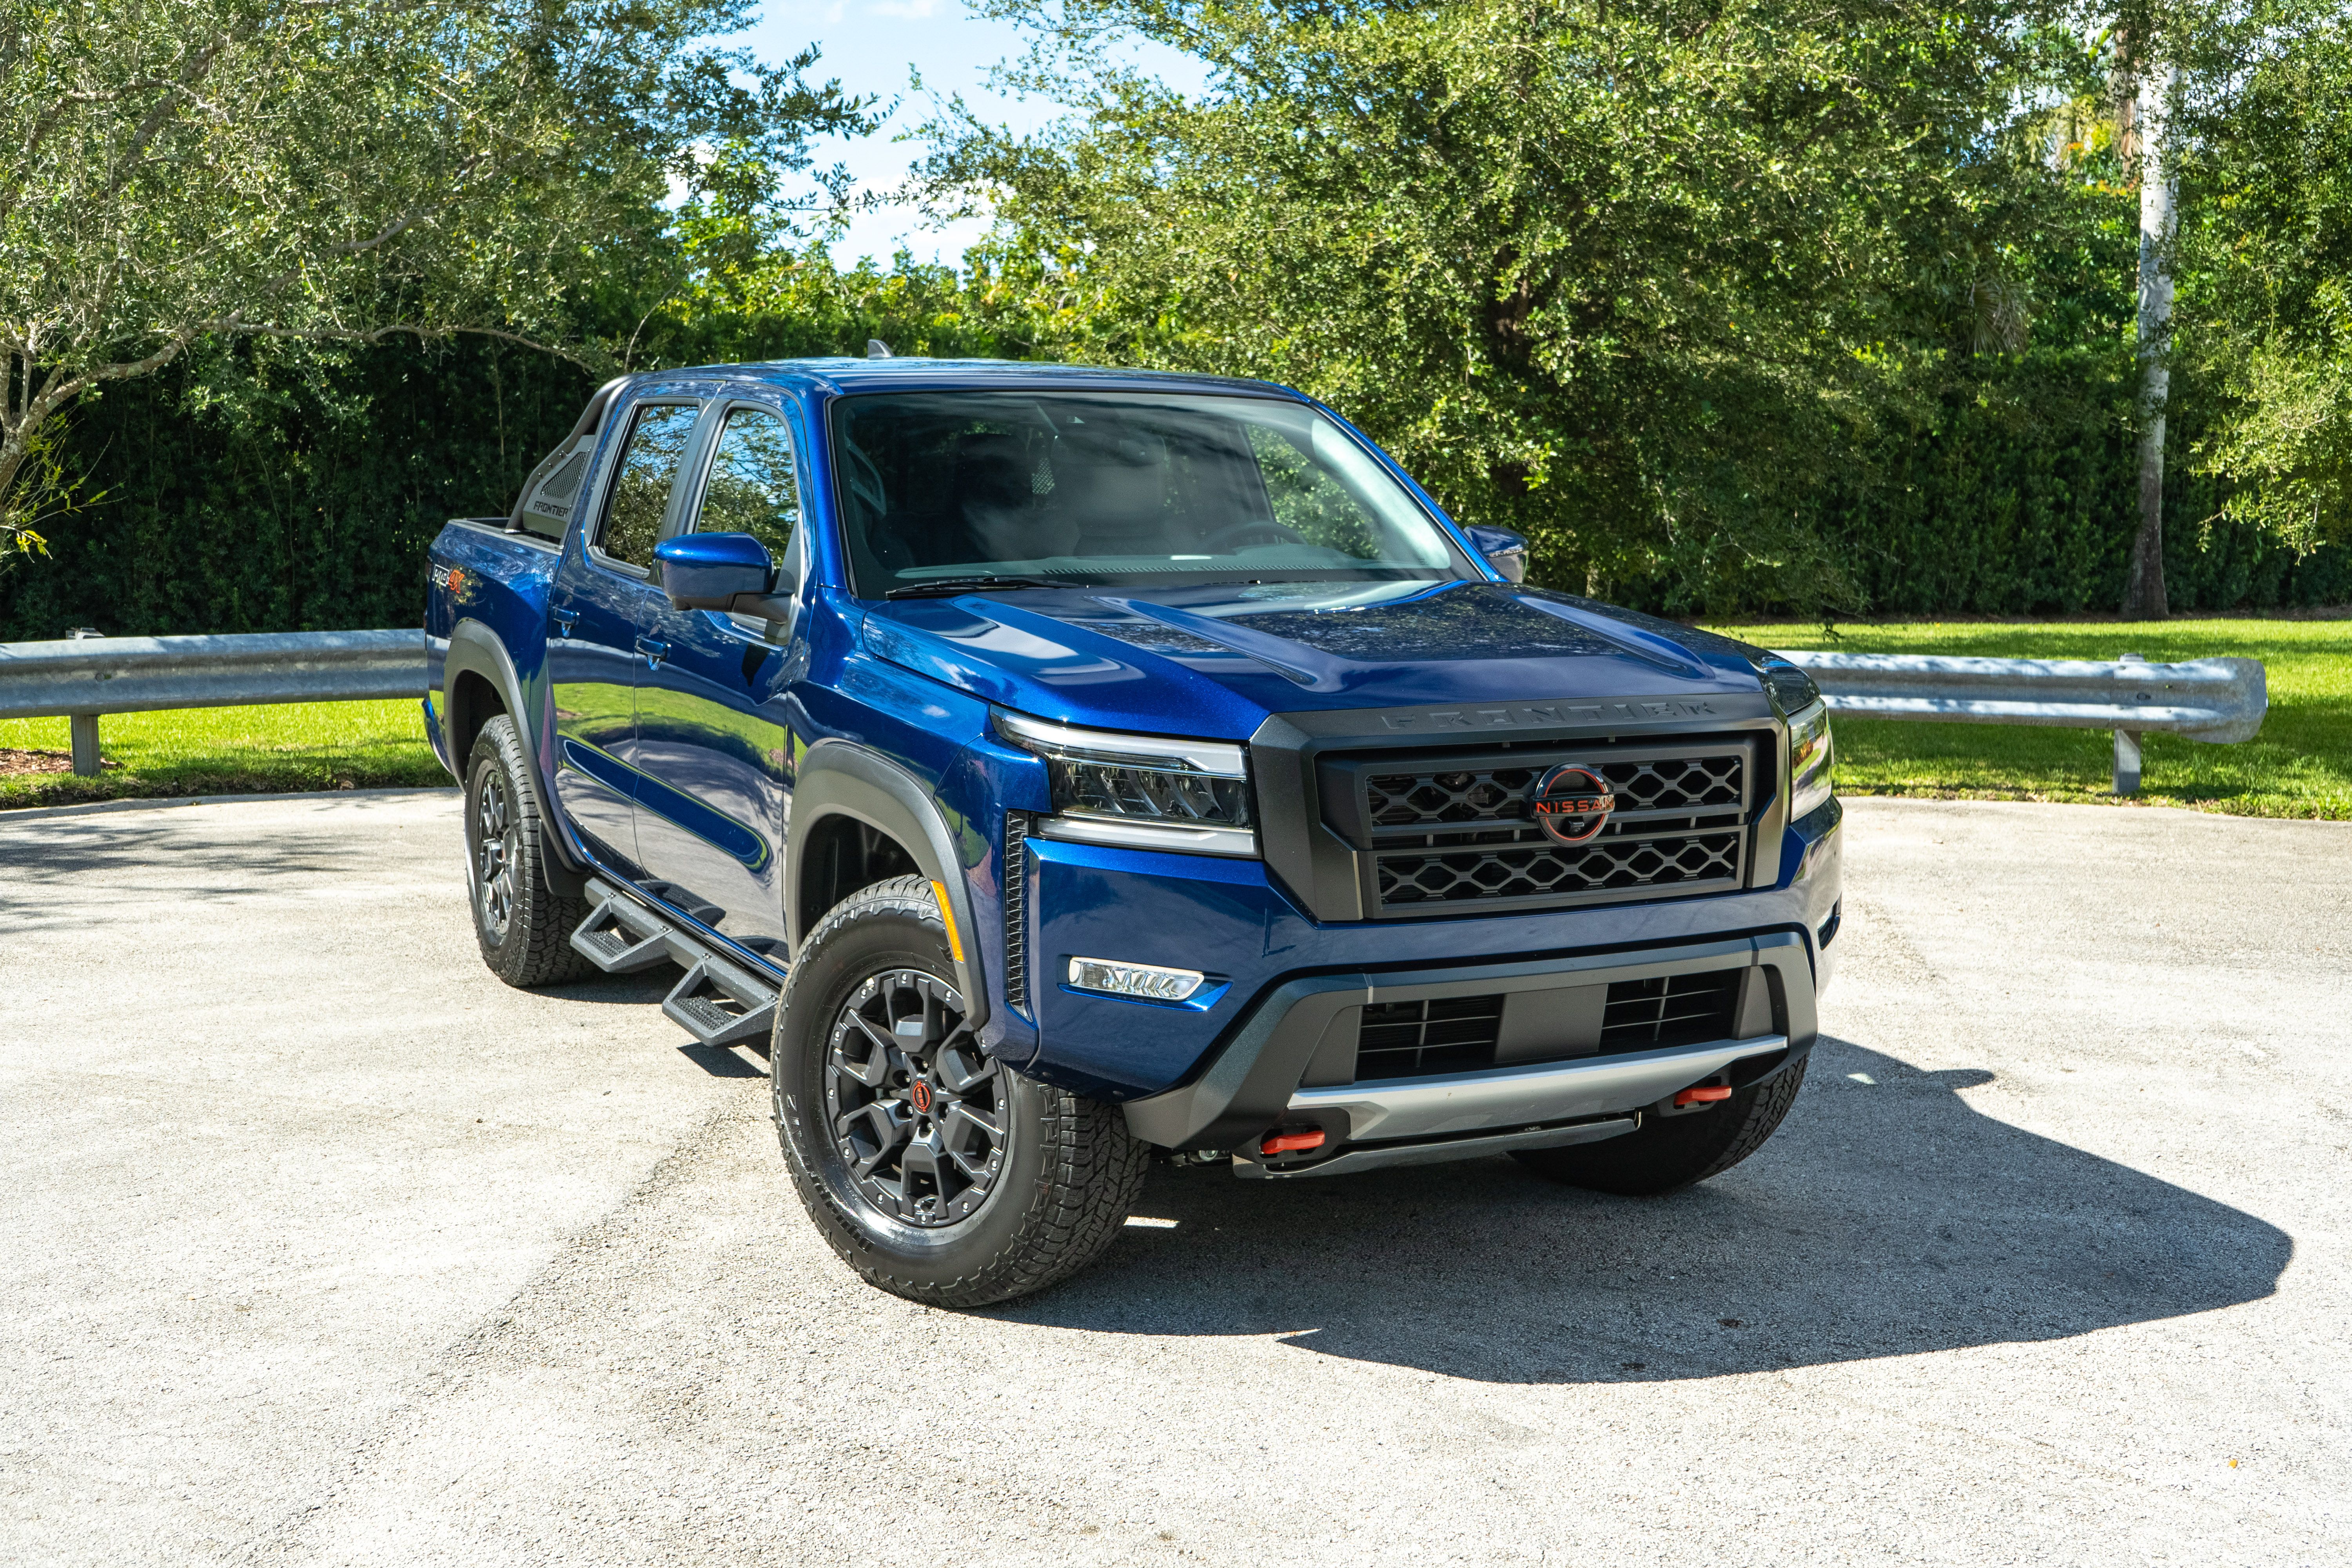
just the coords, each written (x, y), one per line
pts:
(918, 1110)
(496, 844)
(524, 924)
(932, 1169)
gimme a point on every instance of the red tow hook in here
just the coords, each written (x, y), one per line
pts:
(1705, 1094)
(1291, 1142)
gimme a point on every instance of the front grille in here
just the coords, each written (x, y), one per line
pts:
(1017, 904)
(1417, 1039)
(1534, 871)
(1449, 797)
(1670, 1010)
(1436, 833)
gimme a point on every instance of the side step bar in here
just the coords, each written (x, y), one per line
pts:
(718, 1003)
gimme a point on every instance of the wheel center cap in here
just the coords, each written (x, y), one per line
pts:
(919, 1096)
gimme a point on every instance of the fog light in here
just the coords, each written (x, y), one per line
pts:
(1148, 980)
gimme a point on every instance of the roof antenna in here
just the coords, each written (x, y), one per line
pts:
(876, 349)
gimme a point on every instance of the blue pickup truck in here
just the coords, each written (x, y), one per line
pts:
(1056, 769)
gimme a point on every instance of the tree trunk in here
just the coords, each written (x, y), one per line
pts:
(2144, 593)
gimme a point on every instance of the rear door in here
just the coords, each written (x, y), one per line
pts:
(712, 746)
(597, 621)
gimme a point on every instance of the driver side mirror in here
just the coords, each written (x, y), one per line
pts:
(713, 570)
(1505, 552)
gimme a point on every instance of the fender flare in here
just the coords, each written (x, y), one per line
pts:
(841, 778)
(474, 649)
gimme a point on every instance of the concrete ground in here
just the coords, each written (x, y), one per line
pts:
(319, 1245)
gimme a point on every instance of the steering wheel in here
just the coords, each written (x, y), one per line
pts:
(1257, 531)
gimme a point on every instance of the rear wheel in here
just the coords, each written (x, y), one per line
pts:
(933, 1169)
(524, 926)
(1671, 1151)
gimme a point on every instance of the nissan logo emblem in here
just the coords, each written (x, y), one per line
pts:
(1571, 803)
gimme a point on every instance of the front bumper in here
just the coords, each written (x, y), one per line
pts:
(1557, 1077)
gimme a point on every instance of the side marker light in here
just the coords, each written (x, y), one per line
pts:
(1706, 1094)
(1291, 1142)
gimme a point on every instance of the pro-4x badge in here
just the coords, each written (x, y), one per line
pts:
(1571, 803)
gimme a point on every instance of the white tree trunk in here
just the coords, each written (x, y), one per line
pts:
(2144, 593)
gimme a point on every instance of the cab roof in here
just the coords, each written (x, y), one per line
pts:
(845, 376)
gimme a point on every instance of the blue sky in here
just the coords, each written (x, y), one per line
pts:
(870, 46)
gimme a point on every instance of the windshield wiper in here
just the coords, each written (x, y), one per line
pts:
(939, 585)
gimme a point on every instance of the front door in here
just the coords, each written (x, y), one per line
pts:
(597, 617)
(714, 790)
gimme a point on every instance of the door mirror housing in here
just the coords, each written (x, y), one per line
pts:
(1505, 552)
(712, 571)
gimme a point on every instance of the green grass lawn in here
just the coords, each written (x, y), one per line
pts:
(2300, 765)
(228, 751)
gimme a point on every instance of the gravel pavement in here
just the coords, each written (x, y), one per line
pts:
(319, 1245)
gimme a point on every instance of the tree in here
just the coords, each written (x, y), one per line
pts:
(2266, 269)
(1640, 279)
(2147, 88)
(320, 172)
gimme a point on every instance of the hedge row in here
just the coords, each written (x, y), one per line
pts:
(309, 506)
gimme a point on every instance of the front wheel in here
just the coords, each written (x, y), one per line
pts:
(1673, 1152)
(933, 1169)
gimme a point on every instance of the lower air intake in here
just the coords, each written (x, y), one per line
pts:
(1670, 1010)
(1420, 1039)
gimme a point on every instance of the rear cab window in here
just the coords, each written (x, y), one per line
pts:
(647, 471)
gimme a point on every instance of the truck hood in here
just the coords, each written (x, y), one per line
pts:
(1215, 661)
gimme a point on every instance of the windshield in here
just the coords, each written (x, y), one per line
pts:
(1127, 489)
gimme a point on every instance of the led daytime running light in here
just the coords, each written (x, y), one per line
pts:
(1149, 982)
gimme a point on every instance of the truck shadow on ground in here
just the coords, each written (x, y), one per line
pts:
(1883, 1219)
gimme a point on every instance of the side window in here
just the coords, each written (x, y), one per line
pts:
(649, 465)
(754, 489)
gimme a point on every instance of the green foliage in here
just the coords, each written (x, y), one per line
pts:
(1642, 281)
(1732, 307)
(246, 493)
(2267, 283)
(178, 173)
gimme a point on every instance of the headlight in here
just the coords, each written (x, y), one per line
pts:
(1810, 756)
(1789, 688)
(1142, 791)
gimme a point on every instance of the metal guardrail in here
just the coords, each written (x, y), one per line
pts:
(87, 676)
(2217, 699)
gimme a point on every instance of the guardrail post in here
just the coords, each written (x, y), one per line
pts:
(84, 727)
(2128, 744)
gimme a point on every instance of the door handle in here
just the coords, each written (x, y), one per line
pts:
(563, 619)
(654, 651)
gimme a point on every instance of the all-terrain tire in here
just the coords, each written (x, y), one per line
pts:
(1069, 1170)
(524, 924)
(1672, 1151)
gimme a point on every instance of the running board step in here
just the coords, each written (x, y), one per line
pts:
(621, 937)
(718, 1002)
(719, 1005)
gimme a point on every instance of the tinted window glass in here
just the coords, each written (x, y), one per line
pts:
(1118, 487)
(753, 489)
(649, 467)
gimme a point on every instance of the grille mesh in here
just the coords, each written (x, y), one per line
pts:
(1016, 903)
(1416, 1039)
(1455, 798)
(1548, 870)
